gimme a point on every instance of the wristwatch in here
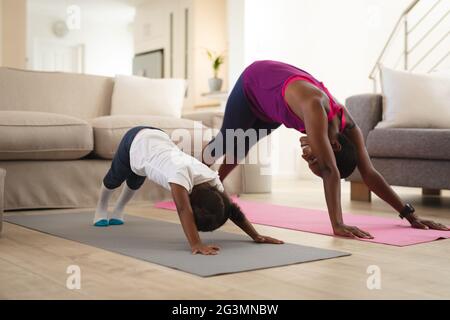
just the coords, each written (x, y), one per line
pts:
(407, 211)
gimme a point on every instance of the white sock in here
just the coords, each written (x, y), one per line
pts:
(125, 197)
(101, 213)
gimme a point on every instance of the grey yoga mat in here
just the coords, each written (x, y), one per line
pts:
(164, 243)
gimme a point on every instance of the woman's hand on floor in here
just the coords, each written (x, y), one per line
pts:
(418, 223)
(210, 250)
(267, 240)
(351, 232)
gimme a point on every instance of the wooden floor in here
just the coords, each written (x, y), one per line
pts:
(33, 265)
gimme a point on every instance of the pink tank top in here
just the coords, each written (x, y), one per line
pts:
(265, 84)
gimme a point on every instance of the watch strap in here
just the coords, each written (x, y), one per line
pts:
(407, 211)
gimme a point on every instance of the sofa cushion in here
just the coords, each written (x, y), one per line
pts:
(26, 135)
(428, 144)
(190, 135)
(415, 100)
(142, 96)
(77, 95)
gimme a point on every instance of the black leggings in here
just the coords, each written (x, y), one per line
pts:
(120, 170)
(238, 115)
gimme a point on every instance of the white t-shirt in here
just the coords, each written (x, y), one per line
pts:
(155, 156)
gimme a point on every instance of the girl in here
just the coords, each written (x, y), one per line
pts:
(269, 94)
(199, 196)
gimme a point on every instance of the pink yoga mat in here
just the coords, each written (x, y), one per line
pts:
(388, 231)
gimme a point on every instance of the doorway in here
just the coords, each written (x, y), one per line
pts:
(58, 56)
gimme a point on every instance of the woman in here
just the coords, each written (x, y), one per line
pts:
(269, 94)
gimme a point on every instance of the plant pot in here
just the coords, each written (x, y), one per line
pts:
(215, 84)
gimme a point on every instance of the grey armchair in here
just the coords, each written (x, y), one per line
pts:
(410, 157)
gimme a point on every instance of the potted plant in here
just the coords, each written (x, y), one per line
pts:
(215, 83)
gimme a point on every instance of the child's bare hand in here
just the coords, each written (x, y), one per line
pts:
(210, 250)
(267, 240)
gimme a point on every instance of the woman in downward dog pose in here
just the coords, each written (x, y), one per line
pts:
(269, 94)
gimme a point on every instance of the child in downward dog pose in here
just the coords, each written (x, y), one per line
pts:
(201, 202)
(271, 93)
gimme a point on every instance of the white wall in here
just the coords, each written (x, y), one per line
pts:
(236, 39)
(442, 9)
(337, 41)
(106, 32)
(210, 32)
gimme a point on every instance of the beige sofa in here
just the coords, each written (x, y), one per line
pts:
(57, 139)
